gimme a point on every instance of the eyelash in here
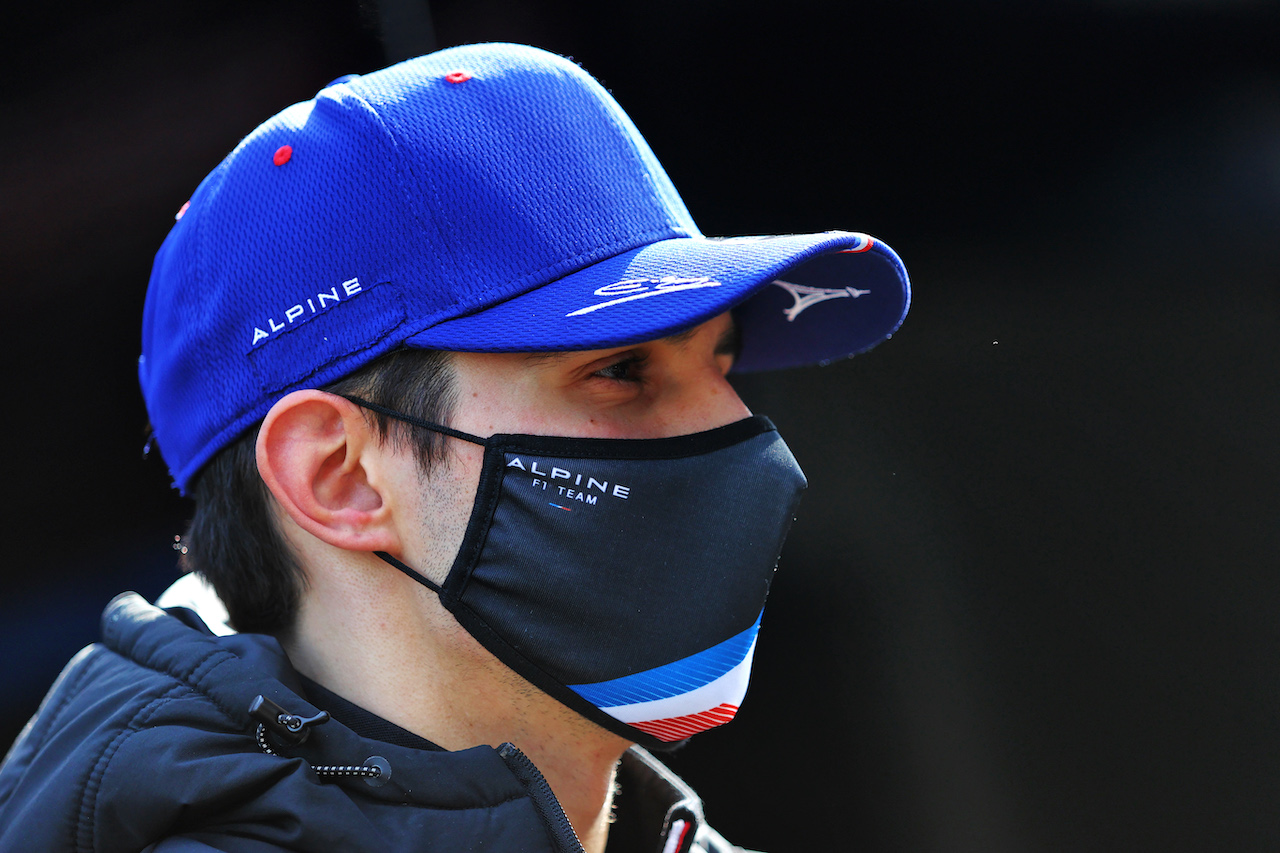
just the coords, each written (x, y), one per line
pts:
(626, 366)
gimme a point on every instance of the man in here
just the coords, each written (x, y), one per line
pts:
(442, 359)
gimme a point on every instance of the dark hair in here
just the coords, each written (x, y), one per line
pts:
(233, 539)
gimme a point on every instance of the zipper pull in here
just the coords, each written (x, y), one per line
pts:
(290, 728)
(544, 800)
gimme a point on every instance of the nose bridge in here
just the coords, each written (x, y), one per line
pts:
(701, 398)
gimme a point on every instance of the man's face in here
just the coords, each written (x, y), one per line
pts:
(657, 389)
(672, 386)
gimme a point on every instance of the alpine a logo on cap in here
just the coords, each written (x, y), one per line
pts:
(632, 289)
(806, 296)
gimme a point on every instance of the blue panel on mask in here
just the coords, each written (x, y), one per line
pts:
(671, 679)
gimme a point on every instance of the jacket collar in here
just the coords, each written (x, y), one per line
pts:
(657, 812)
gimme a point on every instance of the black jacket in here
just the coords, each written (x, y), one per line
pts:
(145, 742)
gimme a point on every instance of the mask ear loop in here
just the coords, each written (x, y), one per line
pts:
(420, 578)
(434, 427)
(418, 422)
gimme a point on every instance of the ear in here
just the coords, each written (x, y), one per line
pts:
(323, 463)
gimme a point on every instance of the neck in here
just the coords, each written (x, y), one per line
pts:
(584, 785)
(416, 667)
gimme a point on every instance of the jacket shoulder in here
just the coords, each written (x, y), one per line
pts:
(52, 778)
(145, 742)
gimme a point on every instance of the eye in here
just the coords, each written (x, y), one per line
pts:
(729, 347)
(625, 369)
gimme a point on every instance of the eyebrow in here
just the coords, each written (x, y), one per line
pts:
(729, 343)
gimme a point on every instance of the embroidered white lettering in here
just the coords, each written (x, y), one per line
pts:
(622, 288)
(316, 303)
(541, 479)
(642, 288)
(580, 497)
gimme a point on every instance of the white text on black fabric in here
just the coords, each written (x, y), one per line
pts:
(578, 487)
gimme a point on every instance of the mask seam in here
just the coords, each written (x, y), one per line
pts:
(489, 488)
(635, 449)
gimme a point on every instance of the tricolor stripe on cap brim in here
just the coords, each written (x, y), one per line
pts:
(845, 293)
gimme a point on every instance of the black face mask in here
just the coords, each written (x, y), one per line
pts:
(624, 577)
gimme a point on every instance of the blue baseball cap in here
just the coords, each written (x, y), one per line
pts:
(485, 198)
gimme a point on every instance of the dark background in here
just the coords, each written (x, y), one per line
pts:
(1031, 600)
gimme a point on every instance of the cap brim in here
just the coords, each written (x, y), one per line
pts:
(798, 299)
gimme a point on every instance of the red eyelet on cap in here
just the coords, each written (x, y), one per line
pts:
(282, 155)
(457, 76)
